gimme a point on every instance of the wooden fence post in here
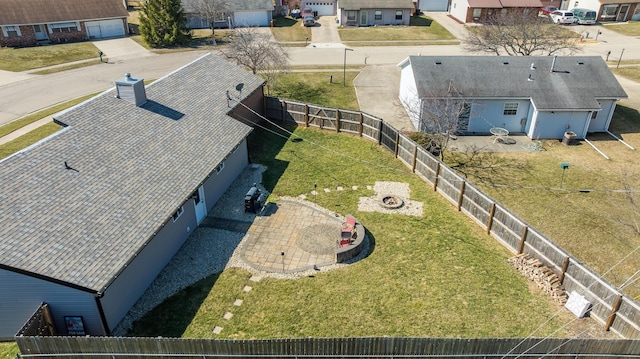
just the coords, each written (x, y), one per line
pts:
(415, 158)
(361, 125)
(490, 220)
(461, 195)
(380, 132)
(523, 238)
(283, 109)
(306, 115)
(397, 144)
(337, 121)
(614, 310)
(565, 265)
(435, 180)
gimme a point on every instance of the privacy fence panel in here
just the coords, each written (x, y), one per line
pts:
(372, 347)
(620, 313)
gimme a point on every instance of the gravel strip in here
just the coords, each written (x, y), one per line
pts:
(208, 251)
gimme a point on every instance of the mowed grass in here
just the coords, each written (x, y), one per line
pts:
(288, 29)
(630, 72)
(8, 350)
(316, 88)
(435, 275)
(631, 28)
(422, 28)
(596, 227)
(28, 139)
(27, 58)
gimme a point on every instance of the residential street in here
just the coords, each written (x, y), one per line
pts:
(22, 93)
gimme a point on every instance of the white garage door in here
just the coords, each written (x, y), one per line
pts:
(323, 8)
(434, 5)
(251, 18)
(105, 28)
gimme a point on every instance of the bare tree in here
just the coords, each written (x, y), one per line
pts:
(211, 11)
(256, 50)
(440, 115)
(520, 34)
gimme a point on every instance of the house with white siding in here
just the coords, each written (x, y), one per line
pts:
(232, 13)
(541, 96)
(90, 215)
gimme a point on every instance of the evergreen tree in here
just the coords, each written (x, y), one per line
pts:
(163, 23)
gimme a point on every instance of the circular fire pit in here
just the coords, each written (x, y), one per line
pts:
(391, 202)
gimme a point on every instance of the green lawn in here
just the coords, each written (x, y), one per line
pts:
(28, 139)
(632, 28)
(22, 59)
(437, 275)
(8, 350)
(595, 227)
(421, 29)
(315, 87)
(288, 29)
(630, 72)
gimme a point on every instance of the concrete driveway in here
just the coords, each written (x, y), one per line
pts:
(377, 91)
(325, 33)
(122, 48)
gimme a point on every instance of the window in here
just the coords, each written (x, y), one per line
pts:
(64, 27)
(11, 31)
(399, 14)
(219, 168)
(594, 114)
(510, 108)
(351, 15)
(178, 213)
(477, 12)
(609, 11)
(378, 15)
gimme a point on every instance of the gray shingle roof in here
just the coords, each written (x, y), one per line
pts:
(375, 4)
(135, 167)
(20, 12)
(576, 83)
(235, 5)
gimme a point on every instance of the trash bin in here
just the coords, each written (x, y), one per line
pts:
(570, 138)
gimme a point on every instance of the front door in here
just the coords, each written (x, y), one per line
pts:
(622, 15)
(363, 18)
(40, 33)
(199, 203)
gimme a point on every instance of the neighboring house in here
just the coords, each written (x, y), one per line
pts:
(238, 13)
(541, 96)
(30, 22)
(468, 11)
(608, 10)
(90, 215)
(374, 12)
(431, 5)
(321, 7)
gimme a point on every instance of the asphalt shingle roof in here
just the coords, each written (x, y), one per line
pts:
(375, 4)
(20, 12)
(576, 83)
(132, 168)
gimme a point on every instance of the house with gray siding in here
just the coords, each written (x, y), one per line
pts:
(230, 14)
(90, 215)
(541, 96)
(374, 12)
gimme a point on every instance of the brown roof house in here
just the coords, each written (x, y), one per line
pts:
(29, 22)
(90, 215)
(374, 12)
(468, 11)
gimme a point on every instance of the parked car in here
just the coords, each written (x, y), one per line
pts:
(562, 17)
(308, 21)
(307, 11)
(547, 10)
(584, 16)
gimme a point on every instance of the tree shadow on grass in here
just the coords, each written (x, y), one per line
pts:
(285, 21)
(420, 21)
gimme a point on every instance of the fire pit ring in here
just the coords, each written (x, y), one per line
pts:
(391, 201)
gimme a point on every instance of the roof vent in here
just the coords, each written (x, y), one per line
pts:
(530, 78)
(131, 90)
(505, 62)
(438, 62)
(580, 62)
(553, 63)
(533, 66)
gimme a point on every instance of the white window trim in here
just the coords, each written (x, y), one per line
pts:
(376, 14)
(510, 106)
(6, 33)
(178, 214)
(63, 25)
